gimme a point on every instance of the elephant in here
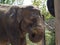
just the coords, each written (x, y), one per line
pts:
(17, 21)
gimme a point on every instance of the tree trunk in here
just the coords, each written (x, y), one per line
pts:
(57, 14)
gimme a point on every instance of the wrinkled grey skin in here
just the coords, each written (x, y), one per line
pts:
(16, 22)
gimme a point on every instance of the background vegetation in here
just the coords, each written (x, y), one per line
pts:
(49, 20)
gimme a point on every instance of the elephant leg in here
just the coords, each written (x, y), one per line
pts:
(14, 36)
(17, 40)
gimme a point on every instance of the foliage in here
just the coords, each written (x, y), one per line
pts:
(50, 37)
(7, 1)
(11, 1)
(36, 2)
(41, 4)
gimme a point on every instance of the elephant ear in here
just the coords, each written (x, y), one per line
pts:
(11, 14)
(14, 14)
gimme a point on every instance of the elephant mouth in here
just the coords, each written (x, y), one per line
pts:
(36, 34)
(35, 37)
